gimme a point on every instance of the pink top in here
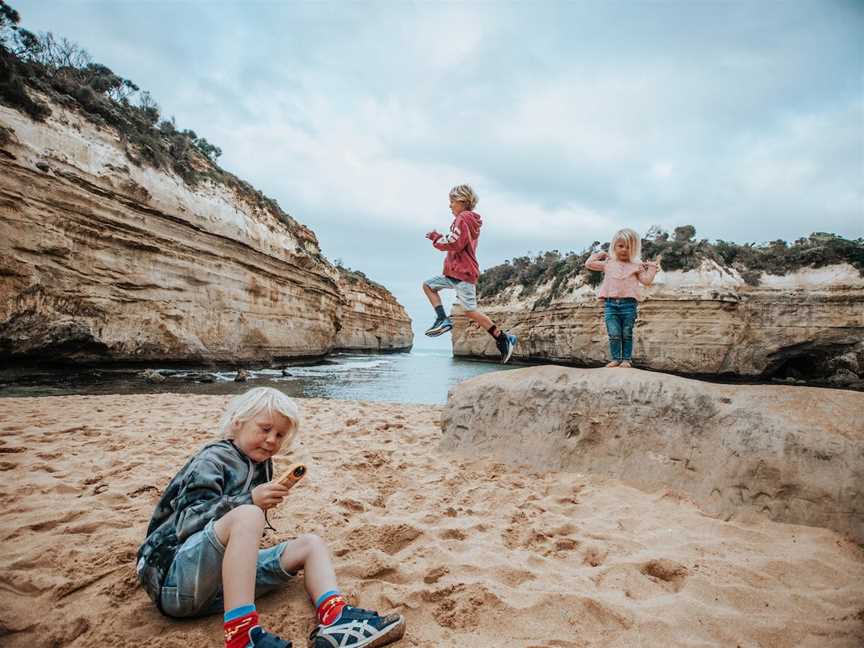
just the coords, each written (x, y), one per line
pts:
(621, 280)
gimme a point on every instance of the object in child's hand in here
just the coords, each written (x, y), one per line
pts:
(291, 476)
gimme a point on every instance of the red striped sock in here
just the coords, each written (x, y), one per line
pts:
(330, 609)
(237, 630)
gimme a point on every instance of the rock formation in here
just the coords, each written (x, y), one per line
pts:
(372, 319)
(102, 259)
(708, 321)
(794, 454)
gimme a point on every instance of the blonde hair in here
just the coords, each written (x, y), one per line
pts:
(249, 404)
(464, 193)
(631, 239)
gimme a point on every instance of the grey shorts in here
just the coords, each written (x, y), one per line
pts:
(466, 292)
(193, 585)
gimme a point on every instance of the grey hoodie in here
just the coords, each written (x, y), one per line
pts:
(214, 481)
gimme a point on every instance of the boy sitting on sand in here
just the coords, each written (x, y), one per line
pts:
(461, 270)
(201, 553)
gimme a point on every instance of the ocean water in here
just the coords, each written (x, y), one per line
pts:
(421, 376)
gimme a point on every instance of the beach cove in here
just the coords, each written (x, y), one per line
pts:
(468, 549)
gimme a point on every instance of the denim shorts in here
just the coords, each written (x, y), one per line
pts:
(466, 292)
(193, 584)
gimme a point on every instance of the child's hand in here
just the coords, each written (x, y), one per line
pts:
(602, 256)
(266, 496)
(647, 265)
(433, 235)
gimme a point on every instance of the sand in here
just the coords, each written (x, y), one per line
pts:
(472, 552)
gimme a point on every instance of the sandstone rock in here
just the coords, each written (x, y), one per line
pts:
(794, 454)
(152, 376)
(708, 321)
(105, 260)
(843, 377)
(372, 319)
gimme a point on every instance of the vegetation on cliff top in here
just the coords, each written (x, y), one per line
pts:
(63, 71)
(679, 251)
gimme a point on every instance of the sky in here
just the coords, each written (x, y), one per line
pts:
(569, 119)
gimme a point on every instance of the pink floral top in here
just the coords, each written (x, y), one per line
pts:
(621, 279)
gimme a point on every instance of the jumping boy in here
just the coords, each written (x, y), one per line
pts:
(201, 553)
(461, 270)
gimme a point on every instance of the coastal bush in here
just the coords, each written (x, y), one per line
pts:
(63, 71)
(681, 251)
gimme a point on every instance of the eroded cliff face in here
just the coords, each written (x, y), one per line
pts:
(103, 260)
(703, 322)
(372, 319)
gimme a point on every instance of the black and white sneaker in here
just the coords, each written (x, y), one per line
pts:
(358, 628)
(439, 327)
(505, 343)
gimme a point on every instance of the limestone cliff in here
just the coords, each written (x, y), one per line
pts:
(102, 259)
(794, 454)
(372, 319)
(706, 321)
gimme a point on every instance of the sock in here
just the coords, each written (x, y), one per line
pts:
(493, 331)
(329, 606)
(238, 623)
(439, 311)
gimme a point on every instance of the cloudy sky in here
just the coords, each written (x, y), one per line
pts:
(570, 119)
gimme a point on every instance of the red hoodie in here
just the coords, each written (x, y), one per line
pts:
(461, 247)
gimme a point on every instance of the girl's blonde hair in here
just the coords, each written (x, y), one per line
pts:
(631, 239)
(464, 193)
(249, 404)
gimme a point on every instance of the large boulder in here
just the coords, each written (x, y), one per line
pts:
(794, 454)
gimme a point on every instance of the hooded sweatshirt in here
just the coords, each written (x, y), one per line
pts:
(214, 481)
(461, 247)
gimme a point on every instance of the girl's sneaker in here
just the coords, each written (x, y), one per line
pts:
(358, 628)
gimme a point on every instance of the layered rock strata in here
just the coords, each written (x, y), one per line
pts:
(103, 260)
(702, 322)
(793, 454)
(372, 319)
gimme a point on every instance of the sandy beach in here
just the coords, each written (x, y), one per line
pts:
(472, 552)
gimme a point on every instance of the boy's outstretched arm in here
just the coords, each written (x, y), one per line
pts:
(457, 238)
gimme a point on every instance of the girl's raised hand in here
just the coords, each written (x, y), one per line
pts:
(432, 235)
(266, 496)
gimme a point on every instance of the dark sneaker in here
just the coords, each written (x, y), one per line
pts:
(440, 326)
(505, 343)
(357, 628)
(261, 639)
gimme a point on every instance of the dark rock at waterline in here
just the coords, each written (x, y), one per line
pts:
(152, 376)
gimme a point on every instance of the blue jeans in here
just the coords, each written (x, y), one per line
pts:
(620, 316)
(193, 585)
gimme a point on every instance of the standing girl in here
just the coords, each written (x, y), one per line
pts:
(623, 271)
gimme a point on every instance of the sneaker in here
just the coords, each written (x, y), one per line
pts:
(505, 343)
(357, 628)
(440, 326)
(261, 639)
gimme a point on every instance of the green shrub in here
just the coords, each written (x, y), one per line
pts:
(680, 252)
